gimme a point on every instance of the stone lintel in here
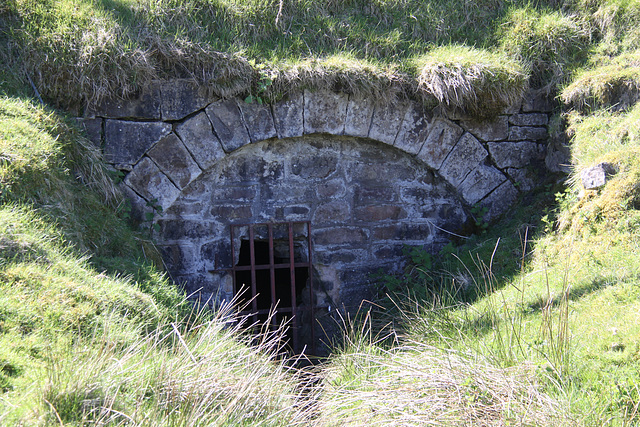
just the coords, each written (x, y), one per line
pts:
(288, 116)
(443, 136)
(174, 160)
(126, 142)
(359, 114)
(259, 121)
(324, 112)
(464, 158)
(386, 122)
(228, 125)
(197, 135)
(152, 184)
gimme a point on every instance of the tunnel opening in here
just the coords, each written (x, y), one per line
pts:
(273, 280)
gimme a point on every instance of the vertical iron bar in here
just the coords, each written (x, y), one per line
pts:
(311, 303)
(233, 264)
(292, 274)
(252, 253)
(272, 271)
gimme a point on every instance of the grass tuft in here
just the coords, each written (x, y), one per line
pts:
(471, 80)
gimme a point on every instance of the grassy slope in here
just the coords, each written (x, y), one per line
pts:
(560, 315)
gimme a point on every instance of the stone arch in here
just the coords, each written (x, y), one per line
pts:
(481, 161)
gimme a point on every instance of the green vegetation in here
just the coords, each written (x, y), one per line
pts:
(533, 321)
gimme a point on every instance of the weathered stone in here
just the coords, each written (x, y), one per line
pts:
(418, 195)
(537, 101)
(414, 129)
(299, 212)
(558, 157)
(442, 137)
(496, 130)
(288, 116)
(464, 158)
(314, 167)
(340, 236)
(523, 179)
(515, 154)
(93, 129)
(324, 112)
(597, 176)
(330, 189)
(380, 213)
(181, 97)
(359, 114)
(530, 119)
(230, 213)
(386, 252)
(372, 193)
(184, 209)
(174, 160)
(143, 105)
(480, 182)
(234, 193)
(401, 231)
(126, 142)
(180, 258)
(148, 181)
(336, 210)
(181, 229)
(217, 254)
(197, 135)
(499, 201)
(522, 133)
(228, 124)
(334, 256)
(386, 122)
(259, 121)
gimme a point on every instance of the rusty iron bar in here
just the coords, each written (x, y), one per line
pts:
(310, 270)
(254, 290)
(292, 274)
(272, 274)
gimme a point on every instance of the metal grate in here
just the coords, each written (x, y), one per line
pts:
(276, 275)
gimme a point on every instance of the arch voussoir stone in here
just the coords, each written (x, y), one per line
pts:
(228, 124)
(325, 112)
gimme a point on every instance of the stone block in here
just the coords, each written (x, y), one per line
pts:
(597, 176)
(139, 207)
(359, 114)
(380, 213)
(288, 116)
(324, 112)
(330, 189)
(314, 167)
(334, 211)
(231, 213)
(339, 256)
(143, 105)
(443, 136)
(180, 258)
(174, 160)
(373, 193)
(217, 254)
(388, 252)
(527, 133)
(401, 232)
(495, 130)
(197, 135)
(499, 201)
(524, 179)
(291, 213)
(414, 129)
(152, 184)
(464, 158)
(259, 121)
(233, 193)
(530, 119)
(181, 97)
(340, 236)
(386, 122)
(480, 182)
(126, 142)
(515, 154)
(92, 129)
(181, 229)
(228, 125)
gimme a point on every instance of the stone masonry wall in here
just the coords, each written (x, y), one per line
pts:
(370, 178)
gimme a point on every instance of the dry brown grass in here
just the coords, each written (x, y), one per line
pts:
(419, 385)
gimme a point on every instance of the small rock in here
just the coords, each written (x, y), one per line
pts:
(597, 176)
